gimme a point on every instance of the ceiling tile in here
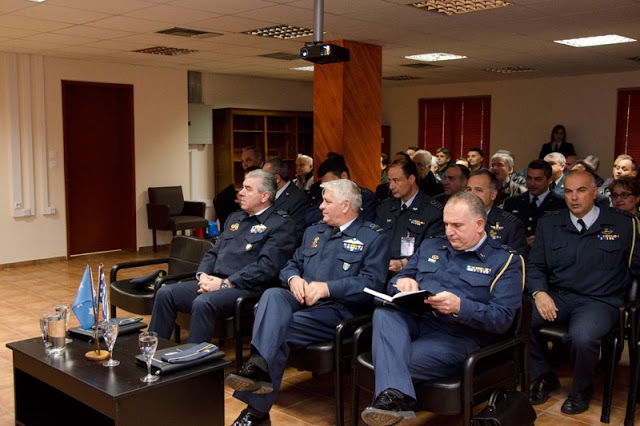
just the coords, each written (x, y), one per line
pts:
(21, 22)
(126, 23)
(166, 13)
(60, 14)
(90, 31)
(116, 7)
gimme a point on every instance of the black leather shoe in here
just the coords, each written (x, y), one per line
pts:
(247, 418)
(578, 403)
(250, 378)
(546, 384)
(389, 408)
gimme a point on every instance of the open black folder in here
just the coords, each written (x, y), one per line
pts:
(411, 301)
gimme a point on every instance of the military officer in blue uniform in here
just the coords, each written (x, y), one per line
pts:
(409, 216)
(289, 198)
(255, 245)
(501, 226)
(537, 201)
(477, 285)
(578, 272)
(321, 286)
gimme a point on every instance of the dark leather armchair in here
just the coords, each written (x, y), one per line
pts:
(167, 211)
(185, 255)
(502, 364)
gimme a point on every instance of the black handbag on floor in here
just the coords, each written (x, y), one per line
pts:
(506, 408)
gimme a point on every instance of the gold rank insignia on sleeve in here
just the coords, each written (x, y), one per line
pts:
(235, 227)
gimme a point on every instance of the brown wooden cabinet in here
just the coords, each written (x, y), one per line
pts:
(283, 134)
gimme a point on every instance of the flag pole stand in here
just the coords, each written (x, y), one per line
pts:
(98, 355)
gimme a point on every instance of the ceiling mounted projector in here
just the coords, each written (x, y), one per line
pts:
(321, 53)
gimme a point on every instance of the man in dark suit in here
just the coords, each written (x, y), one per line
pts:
(455, 180)
(537, 201)
(289, 198)
(578, 272)
(255, 245)
(558, 143)
(558, 166)
(501, 226)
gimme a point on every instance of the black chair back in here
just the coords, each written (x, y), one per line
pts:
(186, 253)
(169, 195)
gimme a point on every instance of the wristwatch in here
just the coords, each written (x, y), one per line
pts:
(224, 284)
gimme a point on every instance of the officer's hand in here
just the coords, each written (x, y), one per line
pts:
(546, 306)
(315, 291)
(297, 285)
(395, 265)
(407, 284)
(530, 240)
(210, 284)
(445, 302)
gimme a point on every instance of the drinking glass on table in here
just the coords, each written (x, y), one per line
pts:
(66, 311)
(148, 341)
(53, 331)
(110, 334)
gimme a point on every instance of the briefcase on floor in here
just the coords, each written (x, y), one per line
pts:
(506, 408)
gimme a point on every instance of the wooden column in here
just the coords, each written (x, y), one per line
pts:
(347, 111)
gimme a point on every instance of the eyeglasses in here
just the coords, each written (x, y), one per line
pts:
(622, 195)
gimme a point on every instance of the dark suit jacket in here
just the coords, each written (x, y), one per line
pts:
(519, 206)
(295, 202)
(506, 228)
(565, 149)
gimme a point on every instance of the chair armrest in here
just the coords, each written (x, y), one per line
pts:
(349, 326)
(134, 264)
(172, 279)
(362, 339)
(485, 352)
(157, 216)
(194, 208)
(246, 300)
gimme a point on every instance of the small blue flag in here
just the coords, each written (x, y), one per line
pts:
(103, 294)
(82, 306)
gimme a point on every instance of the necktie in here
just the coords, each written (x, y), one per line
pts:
(404, 207)
(582, 224)
(336, 229)
(552, 186)
(534, 203)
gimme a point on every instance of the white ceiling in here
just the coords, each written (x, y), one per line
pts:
(520, 35)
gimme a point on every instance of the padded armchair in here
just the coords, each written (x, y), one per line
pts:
(167, 211)
(502, 364)
(185, 255)
(333, 355)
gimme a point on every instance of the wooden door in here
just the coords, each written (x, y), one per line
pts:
(99, 166)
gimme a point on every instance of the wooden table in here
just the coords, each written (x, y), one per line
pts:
(70, 389)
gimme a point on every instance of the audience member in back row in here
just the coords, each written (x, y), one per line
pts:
(502, 167)
(537, 201)
(501, 226)
(594, 162)
(475, 156)
(558, 165)
(570, 161)
(558, 143)
(578, 273)
(384, 164)
(443, 155)
(427, 181)
(251, 157)
(455, 180)
(624, 165)
(625, 194)
(409, 217)
(304, 173)
(411, 151)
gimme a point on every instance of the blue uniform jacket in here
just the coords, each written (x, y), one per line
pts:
(505, 228)
(348, 262)
(423, 219)
(598, 263)
(519, 206)
(489, 282)
(252, 249)
(295, 202)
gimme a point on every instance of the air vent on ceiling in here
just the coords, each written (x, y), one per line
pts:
(455, 7)
(420, 65)
(510, 70)
(166, 51)
(284, 32)
(283, 56)
(634, 59)
(189, 33)
(401, 78)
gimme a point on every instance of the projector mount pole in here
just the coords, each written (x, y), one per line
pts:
(319, 15)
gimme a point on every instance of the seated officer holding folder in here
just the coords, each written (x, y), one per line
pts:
(477, 285)
(322, 286)
(247, 257)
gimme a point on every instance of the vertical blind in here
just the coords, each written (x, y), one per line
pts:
(628, 123)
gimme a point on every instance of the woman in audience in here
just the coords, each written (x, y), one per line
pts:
(558, 143)
(625, 194)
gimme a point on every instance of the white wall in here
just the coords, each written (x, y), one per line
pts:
(523, 112)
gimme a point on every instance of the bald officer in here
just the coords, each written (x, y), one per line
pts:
(322, 286)
(247, 257)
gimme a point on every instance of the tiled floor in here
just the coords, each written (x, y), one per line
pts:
(303, 400)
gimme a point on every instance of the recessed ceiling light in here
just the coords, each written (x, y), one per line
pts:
(37, 1)
(595, 41)
(166, 51)
(510, 70)
(309, 68)
(401, 78)
(284, 32)
(455, 7)
(433, 57)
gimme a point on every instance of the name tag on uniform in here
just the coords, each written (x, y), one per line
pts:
(258, 229)
(478, 270)
(353, 245)
(407, 245)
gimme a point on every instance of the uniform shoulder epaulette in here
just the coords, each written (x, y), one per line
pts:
(509, 216)
(620, 212)
(320, 222)
(509, 249)
(376, 228)
(282, 213)
(437, 204)
(551, 213)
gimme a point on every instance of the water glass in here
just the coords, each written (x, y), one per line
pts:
(66, 310)
(148, 341)
(110, 334)
(52, 323)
